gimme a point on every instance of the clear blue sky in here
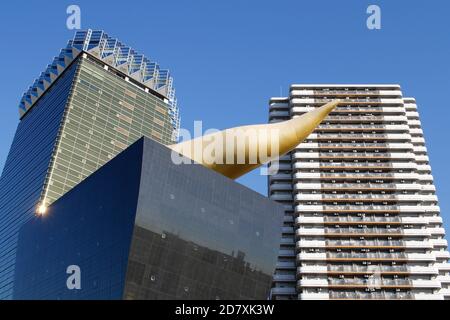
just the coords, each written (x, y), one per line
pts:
(229, 57)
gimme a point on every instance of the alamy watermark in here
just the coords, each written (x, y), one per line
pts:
(74, 19)
(74, 280)
(374, 20)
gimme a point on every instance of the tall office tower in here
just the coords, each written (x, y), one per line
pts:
(95, 99)
(361, 214)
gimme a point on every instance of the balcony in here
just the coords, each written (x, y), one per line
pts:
(423, 270)
(437, 231)
(348, 165)
(309, 232)
(314, 296)
(443, 266)
(370, 283)
(312, 283)
(421, 209)
(347, 197)
(361, 257)
(428, 296)
(373, 269)
(354, 109)
(354, 256)
(361, 232)
(352, 101)
(354, 186)
(338, 269)
(348, 208)
(345, 99)
(354, 155)
(369, 198)
(355, 146)
(367, 165)
(347, 92)
(355, 176)
(330, 209)
(348, 220)
(433, 284)
(313, 269)
(362, 127)
(364, 244)
(349, 244)
(439, 243)
(359, 136)
(371, 296)
(427, 257)
(362, 220)
(357, 244)
(329, 90)
(364, 119)
(443, 279)
(442, 254)
(366, 232)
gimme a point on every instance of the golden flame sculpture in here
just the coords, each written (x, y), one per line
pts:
(234, 152)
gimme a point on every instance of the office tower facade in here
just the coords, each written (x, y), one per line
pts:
(143, 227)
(362, 219)
(96, 98)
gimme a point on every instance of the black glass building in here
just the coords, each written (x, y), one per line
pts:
(142, 227)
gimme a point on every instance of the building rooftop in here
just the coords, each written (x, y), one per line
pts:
(114, 54)
(346, 85)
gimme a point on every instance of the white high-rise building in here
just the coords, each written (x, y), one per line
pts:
(362, 217)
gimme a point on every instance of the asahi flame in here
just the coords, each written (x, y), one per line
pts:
(234, 152)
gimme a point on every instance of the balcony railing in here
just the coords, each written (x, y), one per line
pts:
(359, 197)
(364, 243)
(356, 164)
(372, 295)
(363, 230)
(351, 126)
(360, 108)
(355, 117)
(351, 136)
(351, 100)
(358, 175)
(362, 219)
(354, 145)
(370, 155)
(360, 208)
(368, 269)
(355, 255)
(344, 92)
(357, 186)
(370, 282)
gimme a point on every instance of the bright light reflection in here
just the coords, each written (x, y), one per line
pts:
(42, 209)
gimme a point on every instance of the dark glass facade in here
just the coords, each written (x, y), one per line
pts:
(26, 168)
(142, 227)
(91, 227)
